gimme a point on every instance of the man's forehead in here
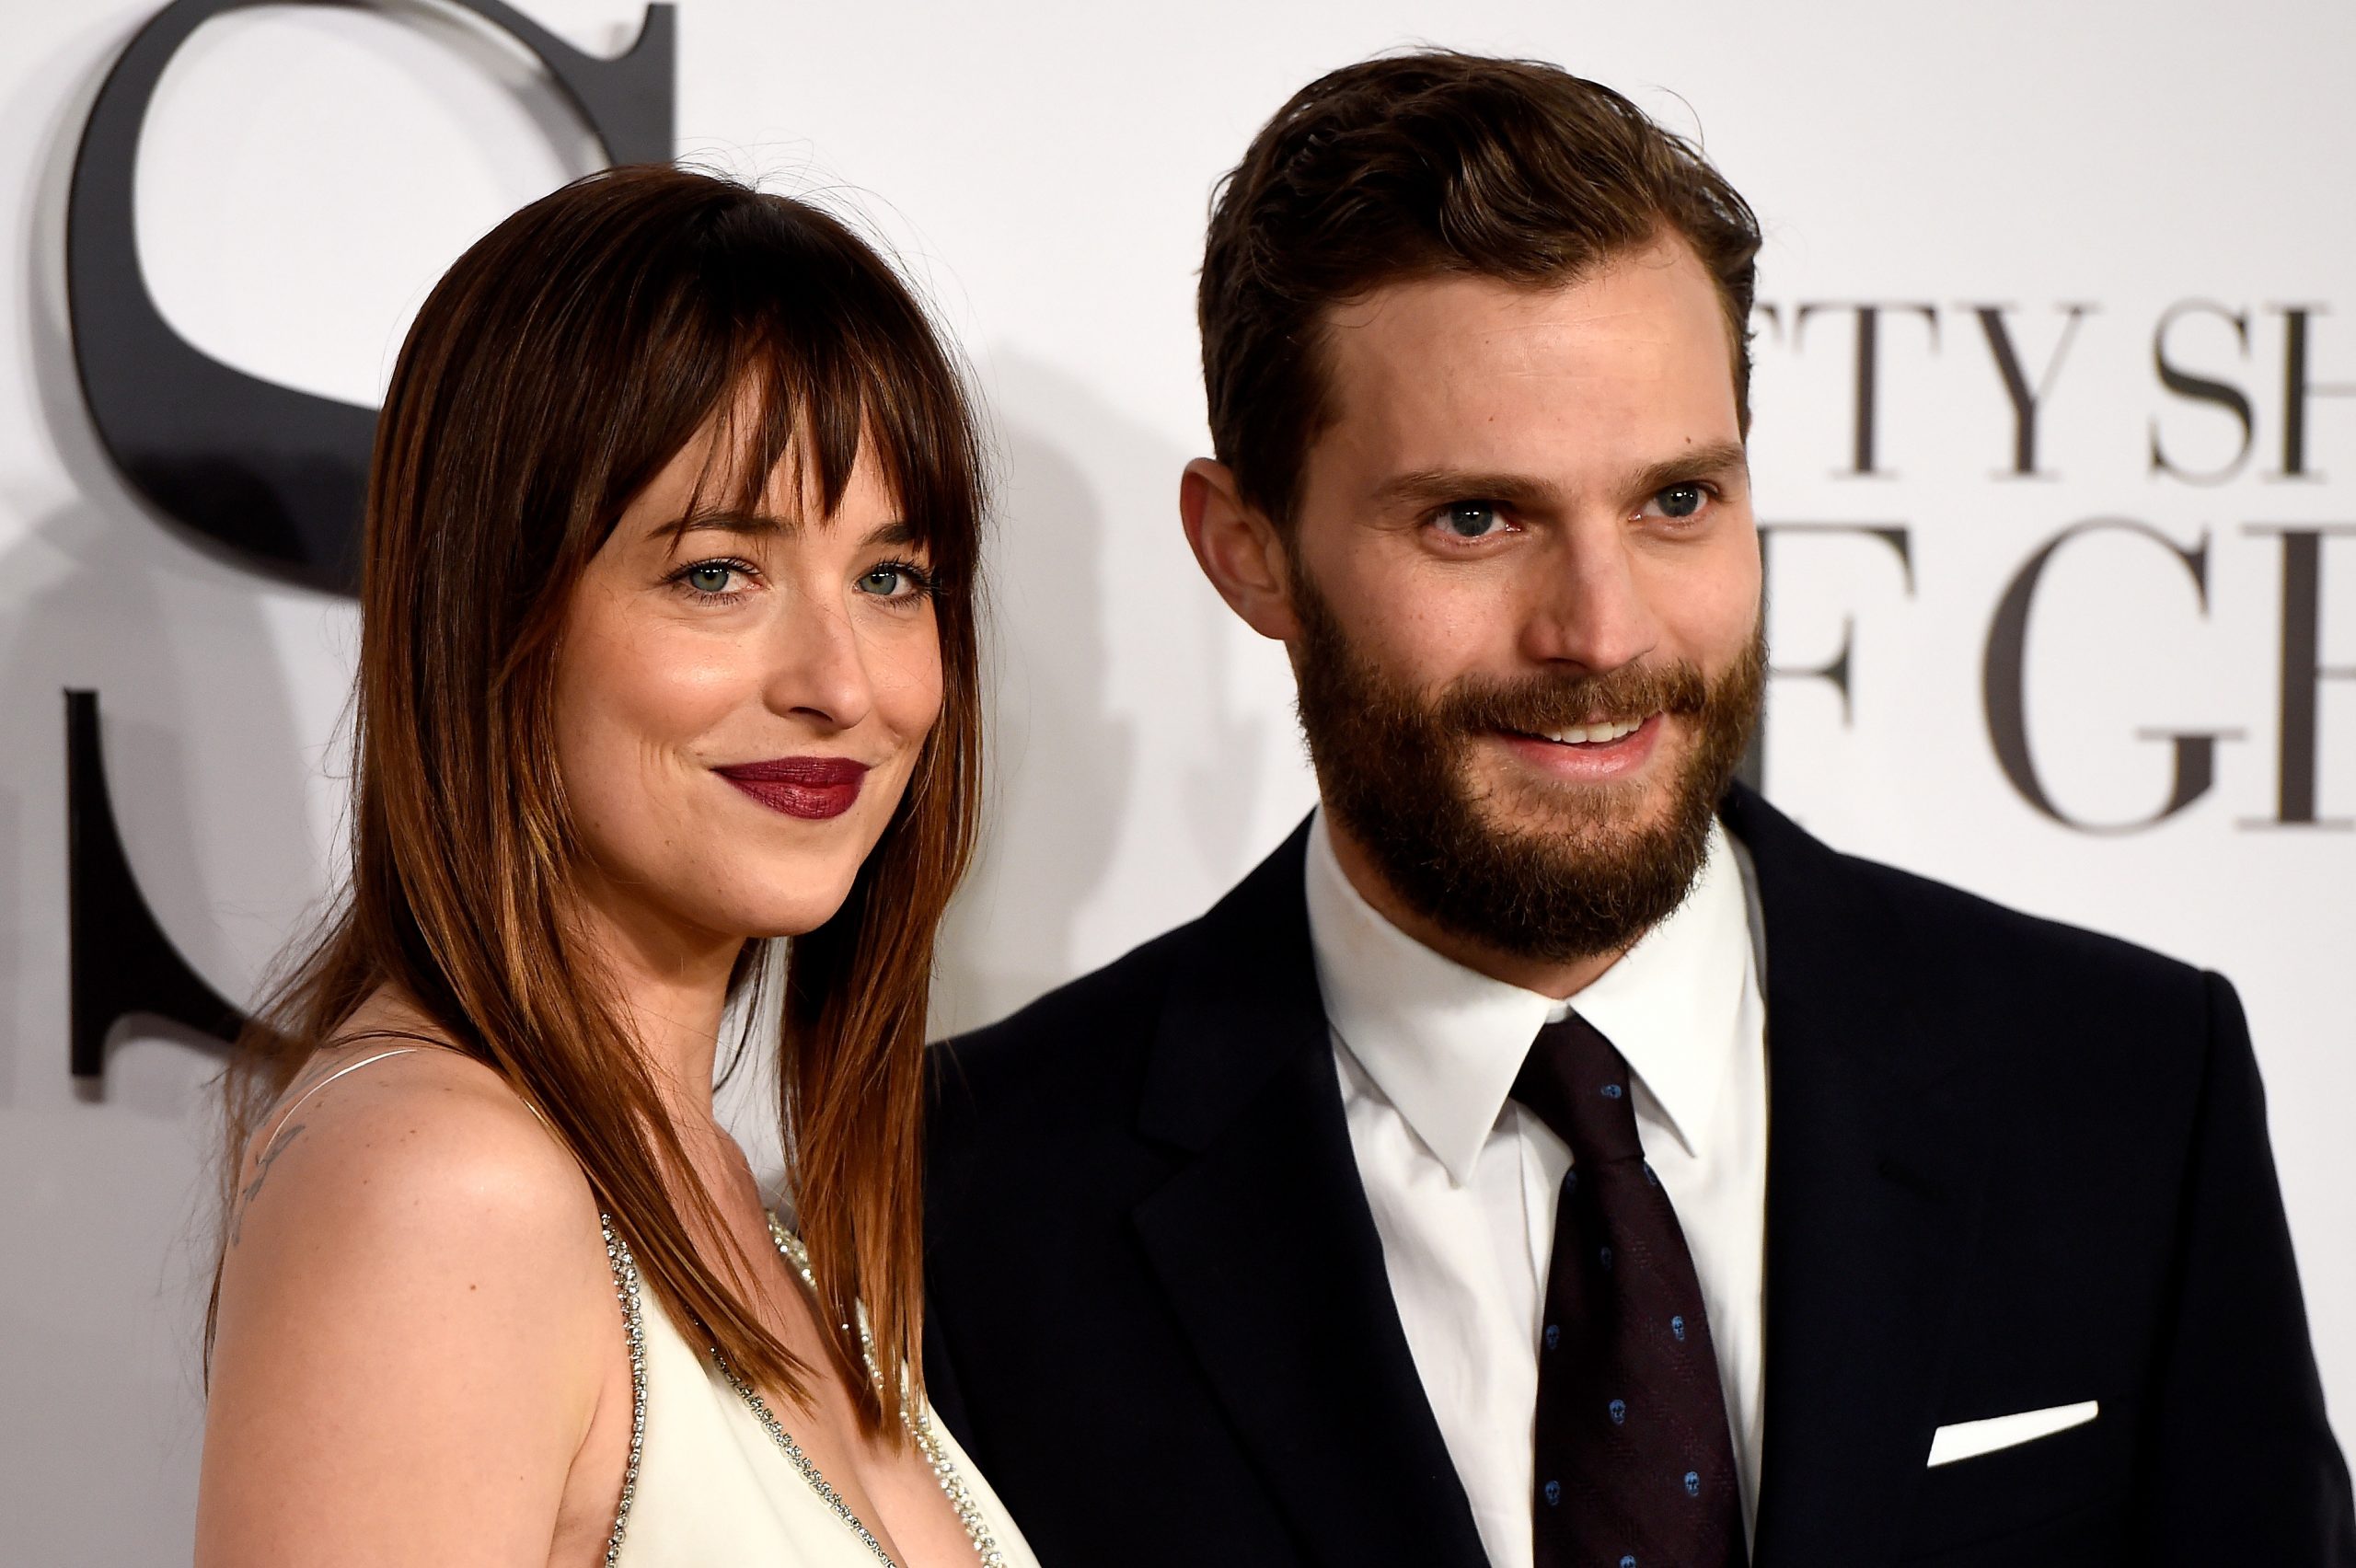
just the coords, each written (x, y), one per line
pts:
(1454, 304)
(1655, 297)
(1463, 371)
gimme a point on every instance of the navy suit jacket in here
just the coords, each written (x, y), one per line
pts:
(2011, 1166)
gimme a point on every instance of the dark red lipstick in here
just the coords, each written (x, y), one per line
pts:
(814, 787)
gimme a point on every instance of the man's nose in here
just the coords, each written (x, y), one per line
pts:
(1587, 605)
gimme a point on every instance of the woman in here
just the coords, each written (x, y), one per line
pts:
(667, 646)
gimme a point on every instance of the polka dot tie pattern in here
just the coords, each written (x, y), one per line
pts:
(1635, 1457)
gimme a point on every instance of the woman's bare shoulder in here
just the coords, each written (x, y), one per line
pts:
(388, 1119)
(414, 1260)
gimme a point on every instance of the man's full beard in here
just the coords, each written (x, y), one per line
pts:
(1550, 872)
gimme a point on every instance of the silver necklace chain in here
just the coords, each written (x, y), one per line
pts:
(627, 1289)
(800, 1460)
(919, 1424)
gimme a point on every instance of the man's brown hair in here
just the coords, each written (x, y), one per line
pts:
(1414, 166)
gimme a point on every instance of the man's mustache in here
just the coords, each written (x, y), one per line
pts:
(1540, 704)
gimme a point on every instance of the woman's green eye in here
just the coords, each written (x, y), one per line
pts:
(897, 580)
(709, 578)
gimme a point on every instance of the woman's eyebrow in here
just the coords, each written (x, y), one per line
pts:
(678, 528)
(898, 531)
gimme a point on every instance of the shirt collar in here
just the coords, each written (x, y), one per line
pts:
(1673, 1003)
(1444, 1042)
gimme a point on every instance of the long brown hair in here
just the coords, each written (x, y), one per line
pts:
(552, 373)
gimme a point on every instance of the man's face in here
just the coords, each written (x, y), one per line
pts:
(1526, 580)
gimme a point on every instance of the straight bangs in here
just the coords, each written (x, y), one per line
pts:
(554, 372)
(801, 357)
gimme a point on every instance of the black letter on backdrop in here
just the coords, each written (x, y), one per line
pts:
(2296, 390)
(2199, 389)
(2024, 396)
(1753, 770)
(1868, 367)
(2003, 679)
(2304, 671)
(275, 475)
(121, 960)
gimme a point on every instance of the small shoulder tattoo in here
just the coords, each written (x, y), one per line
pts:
(278, 1146)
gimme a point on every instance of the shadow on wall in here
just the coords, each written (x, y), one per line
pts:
(202, 669)
(1085, 535)
(1059, 758)
(196, 713)
(206, 743)
(207, 766)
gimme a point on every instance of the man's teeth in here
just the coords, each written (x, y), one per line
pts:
(1595, 734)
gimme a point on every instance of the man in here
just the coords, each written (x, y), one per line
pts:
(1551, 1155)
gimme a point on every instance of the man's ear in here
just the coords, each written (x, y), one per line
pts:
(1238, 549)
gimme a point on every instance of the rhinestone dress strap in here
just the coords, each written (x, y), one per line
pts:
(802, 1462)
(626, 1290)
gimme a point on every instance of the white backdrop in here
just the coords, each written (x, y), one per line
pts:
(1044, 171)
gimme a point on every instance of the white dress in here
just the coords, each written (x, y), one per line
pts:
(710, 1483)
(712, 1486)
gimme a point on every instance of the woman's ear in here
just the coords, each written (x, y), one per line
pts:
(1238, 549)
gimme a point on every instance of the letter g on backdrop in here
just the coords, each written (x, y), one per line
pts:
(273, 477)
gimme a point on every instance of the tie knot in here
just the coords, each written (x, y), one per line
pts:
(1578, 1085)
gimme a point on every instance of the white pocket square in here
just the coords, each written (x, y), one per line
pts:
(1968, 1439)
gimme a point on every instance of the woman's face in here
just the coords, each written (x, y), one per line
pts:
(740, 700)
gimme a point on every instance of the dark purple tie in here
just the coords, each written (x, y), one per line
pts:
(1635, 1463)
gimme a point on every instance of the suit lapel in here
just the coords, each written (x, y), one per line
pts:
(1267, 1252)
(1875, 1180)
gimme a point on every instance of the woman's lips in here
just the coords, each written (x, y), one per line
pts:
(812, 786)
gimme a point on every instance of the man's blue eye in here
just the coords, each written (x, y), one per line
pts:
(1680, 501)
(1469, 519)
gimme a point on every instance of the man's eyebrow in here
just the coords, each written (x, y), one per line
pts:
(1716, 458)
(1422, 488)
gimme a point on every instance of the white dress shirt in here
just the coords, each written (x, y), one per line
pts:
(1464, 1181)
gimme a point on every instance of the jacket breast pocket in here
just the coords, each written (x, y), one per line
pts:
(2084, 1538)
(2067, 1486)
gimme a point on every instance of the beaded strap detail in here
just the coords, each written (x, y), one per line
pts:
(626, 1290)
(919, 1425)
(800, 1460)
